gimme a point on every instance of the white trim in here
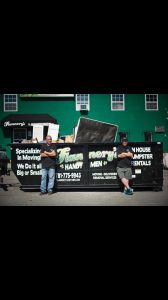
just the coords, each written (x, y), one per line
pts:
(46, 95)
(11, 102)
(78, 105)
(119, 102)
(147, 109)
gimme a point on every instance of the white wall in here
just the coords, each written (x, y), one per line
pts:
(165, 160)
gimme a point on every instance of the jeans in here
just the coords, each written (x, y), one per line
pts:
(50, 174)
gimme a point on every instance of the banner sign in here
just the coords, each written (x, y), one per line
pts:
(93, 165)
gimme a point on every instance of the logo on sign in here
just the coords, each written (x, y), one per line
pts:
(9, 124)
(65, 156)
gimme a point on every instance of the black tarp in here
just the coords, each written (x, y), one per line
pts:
(92, 131)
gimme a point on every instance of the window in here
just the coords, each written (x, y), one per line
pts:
(151, 102)
(117, 102)
(10, 102)
(19, 134)
(82, 102)
(148, 136)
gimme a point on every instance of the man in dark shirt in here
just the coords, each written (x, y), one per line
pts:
(125, 154)
(48, 158)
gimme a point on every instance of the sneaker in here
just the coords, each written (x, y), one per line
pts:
(132, 190)
(129, 192)
(43, 193)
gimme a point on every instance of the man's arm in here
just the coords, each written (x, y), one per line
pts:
(50, 154)
(122, 155)
(53, 153)
(130, 154)
(43, 152)
(43, 155)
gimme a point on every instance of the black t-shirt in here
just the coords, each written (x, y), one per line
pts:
(48, 162)
(124, 162)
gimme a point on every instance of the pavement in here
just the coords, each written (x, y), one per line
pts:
(12, 195)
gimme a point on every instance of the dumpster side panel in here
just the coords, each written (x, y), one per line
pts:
(148, 164)
(89, 165)
(26, 164)
(102, 164)
(71, 165)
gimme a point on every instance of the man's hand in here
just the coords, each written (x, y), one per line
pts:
(46, 153)
(43, 155)
(122, 155)
(129, 154)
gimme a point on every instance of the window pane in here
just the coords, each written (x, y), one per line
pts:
(117, 101)
(118, 106)
(82, 99)
(10, 106)
(151, 105)
(10, 102)
(152, 102)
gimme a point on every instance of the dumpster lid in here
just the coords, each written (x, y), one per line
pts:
(22, 120)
